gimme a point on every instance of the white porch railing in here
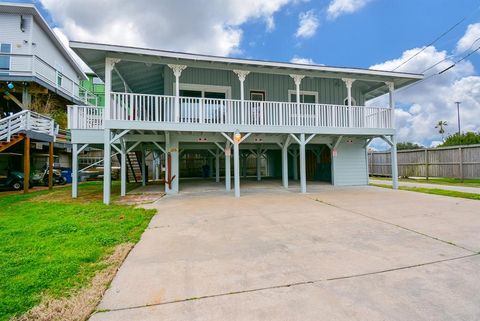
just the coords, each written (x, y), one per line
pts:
(159, 108)
(32, 65)
(23, 121)
(85, 117)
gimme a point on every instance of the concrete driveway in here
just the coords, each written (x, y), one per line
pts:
(333, 254)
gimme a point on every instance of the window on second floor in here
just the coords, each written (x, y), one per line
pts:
(5, 51)
(306, 97)
(59, 79)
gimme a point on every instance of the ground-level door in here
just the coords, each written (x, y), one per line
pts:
(319, 164)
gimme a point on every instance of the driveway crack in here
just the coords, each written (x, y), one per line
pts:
(288, 285)
(393, 224)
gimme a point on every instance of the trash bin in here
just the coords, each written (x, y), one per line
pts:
(67, 173)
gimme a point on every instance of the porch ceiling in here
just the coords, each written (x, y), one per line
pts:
(142, 68)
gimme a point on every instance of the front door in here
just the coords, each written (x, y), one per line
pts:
(255, 110)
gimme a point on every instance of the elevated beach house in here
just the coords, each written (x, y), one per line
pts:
(306, 121)
(36, 70)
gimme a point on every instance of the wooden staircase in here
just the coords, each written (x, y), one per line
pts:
(14, 139)
(134, 170)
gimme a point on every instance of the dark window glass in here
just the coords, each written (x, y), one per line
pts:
(214, 95)
(308, 99)
(5, 59)
(190, 93)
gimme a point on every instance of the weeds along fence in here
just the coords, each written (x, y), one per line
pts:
(453, 162)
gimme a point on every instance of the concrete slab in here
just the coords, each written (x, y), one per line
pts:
(441, 291)
(450, 219)
(211, 244)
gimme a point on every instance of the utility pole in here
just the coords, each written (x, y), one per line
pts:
(458, 115)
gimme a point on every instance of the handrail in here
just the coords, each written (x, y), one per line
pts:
(26, 120)
(234, 112)
(35, 65)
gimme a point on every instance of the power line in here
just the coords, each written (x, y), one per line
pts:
(438, 38)
(444, 70)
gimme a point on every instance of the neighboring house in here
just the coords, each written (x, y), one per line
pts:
(307, 121)
(95, 85)
(33, 61)
(37, 76)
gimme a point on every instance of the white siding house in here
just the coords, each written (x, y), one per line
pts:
(31, 52)
(308, 121)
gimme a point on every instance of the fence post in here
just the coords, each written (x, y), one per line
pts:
(460, 162)
(426, 164)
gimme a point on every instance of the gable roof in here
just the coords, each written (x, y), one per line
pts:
(30, 9)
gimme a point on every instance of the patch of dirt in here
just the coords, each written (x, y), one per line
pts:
(82, 303)
(138, 199)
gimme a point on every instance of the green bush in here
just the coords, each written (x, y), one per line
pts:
(468, 138)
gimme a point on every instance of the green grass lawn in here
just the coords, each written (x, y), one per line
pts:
(435, 191)
(438, 181)
(51, 244)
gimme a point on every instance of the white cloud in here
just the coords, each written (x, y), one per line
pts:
(64, 40)
(212, 27)
(307, 25)
(337, 8)
(423, 105)
(301, 60)
(471, 38)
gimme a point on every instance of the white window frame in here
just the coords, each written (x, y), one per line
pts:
(302, 92)
(10, 57)
(227, 90)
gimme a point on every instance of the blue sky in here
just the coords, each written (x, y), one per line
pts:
(355, 33)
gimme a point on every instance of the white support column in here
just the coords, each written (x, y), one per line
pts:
(74, 170)
(285, 162)
(107, 166)
(236, 168)
(391, 90)
(259, 163)
(123, 168)
(394, 162)
(171, 146)
(109, 65)
(242, 75)
(217, 167)
(391, 99)
(177, 72)
(228, 153)
(298, 80)
(303, 172)
(348, 83)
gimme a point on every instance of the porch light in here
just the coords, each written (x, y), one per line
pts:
(237, 137)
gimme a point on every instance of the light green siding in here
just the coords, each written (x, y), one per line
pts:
(276, 87)
(349, 166)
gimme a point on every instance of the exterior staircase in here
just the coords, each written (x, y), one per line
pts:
(14, 139)
(16, 127)
(134, 170)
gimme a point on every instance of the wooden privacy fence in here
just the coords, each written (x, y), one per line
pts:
(452, 162)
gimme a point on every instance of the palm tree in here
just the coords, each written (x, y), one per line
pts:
(441, 127)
